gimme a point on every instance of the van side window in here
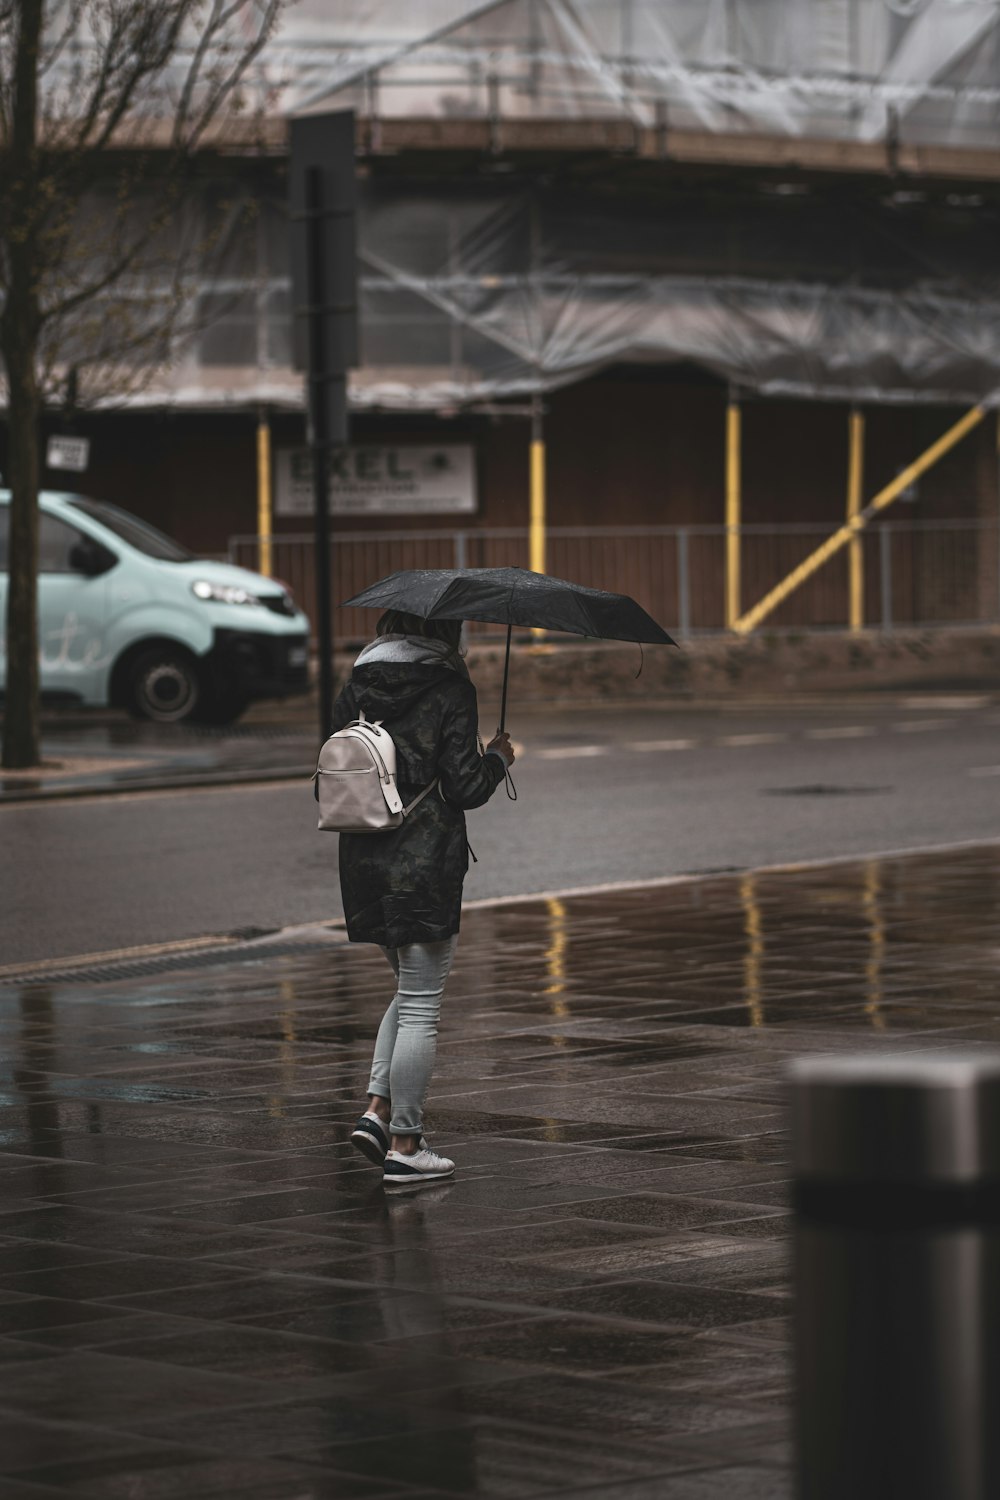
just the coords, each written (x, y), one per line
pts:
(55, 542)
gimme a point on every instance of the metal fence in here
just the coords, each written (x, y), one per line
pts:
(915, 573)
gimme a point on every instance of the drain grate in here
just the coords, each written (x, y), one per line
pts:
(820, 789)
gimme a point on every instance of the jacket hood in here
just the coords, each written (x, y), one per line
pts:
(395, 671)
(411, 649)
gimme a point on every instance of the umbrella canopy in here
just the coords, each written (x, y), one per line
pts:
(512, 596)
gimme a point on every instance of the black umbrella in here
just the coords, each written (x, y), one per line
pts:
(512, 596)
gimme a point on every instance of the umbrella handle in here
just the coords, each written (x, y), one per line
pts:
(506, 670)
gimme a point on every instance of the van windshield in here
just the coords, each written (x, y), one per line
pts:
(138, 534)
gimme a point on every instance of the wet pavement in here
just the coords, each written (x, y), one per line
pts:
(127, 757)
(102, 752)
(205, 1292)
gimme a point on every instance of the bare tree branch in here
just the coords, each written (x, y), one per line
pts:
(142, 40)
(226, 85)
(205, 43)
(55, 46)
(107, 226)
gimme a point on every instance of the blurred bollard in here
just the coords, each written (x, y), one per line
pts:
(897, 1195)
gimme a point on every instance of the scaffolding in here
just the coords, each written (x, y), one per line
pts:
(842, 69)
(509, 273)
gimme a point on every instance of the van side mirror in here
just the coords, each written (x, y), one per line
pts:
(91, 558)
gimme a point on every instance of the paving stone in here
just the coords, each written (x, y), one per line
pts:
(205, 1292)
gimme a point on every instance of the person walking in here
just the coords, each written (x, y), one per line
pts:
(403, 889)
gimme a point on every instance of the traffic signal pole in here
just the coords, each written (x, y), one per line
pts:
(319, 441)
(323, 196)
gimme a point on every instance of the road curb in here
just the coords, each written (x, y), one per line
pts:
(304, 937)
(162, 784)
(176, 954)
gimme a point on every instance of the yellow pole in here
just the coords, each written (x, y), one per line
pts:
(536, 529)
(734, 506)
(536, 513)
(840, 538)
(855, 547)
(264, 493)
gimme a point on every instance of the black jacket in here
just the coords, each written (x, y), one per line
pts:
(406, 886)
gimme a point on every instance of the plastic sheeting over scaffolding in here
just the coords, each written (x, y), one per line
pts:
(490, 287)
(797, 67)
(503, 293)
(478, 294)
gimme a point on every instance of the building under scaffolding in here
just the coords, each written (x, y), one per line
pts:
(669, 265)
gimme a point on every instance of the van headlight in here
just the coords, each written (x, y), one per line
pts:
(223, 593)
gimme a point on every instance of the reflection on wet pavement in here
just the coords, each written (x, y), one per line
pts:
(126, 756)
(205, 1292)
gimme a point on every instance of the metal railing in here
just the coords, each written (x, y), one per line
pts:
(916, 573)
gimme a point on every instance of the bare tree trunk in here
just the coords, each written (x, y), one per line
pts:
(19, 341)
(21, 742)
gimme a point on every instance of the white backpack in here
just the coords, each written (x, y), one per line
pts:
(355, 781)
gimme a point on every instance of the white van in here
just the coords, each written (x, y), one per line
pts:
(128, 617)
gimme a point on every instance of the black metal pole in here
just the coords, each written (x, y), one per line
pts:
(319, 440)
(506, 670)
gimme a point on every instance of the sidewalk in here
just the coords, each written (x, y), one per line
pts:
(206, 1293)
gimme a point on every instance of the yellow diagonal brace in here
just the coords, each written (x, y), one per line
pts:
(840, 538)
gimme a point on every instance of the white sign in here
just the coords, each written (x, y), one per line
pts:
(68, 453)
(384, 481)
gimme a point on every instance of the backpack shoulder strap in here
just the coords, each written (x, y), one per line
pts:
(421, 795)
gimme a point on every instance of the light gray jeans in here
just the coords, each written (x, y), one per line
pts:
(407, 1038)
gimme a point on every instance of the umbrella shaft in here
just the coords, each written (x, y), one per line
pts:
(506, 670)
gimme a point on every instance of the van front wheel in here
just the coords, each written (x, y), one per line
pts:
(163, 686)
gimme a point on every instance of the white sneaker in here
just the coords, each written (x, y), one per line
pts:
(423, 1165)
(371, 1136)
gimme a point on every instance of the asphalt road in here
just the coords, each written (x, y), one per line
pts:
(602, 797)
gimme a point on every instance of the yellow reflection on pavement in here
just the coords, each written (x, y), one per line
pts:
(872, 904)
(753, 960)
(555, 968)
(286, 1049)
(555, 954)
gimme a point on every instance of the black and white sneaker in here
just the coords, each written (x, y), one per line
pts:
(422, 1165)
(371, 1137)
